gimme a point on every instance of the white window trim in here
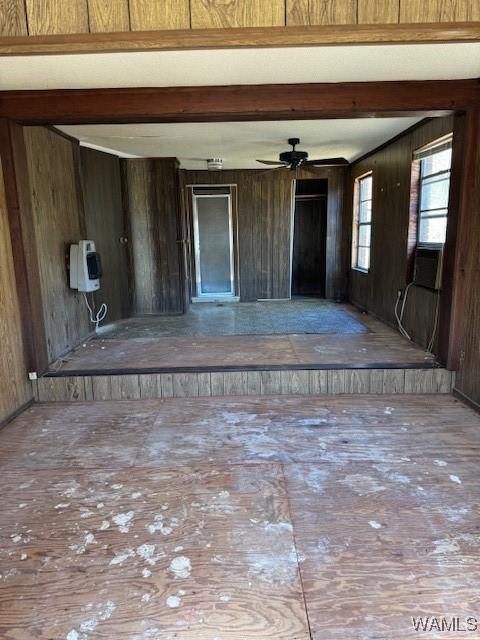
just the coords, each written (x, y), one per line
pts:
(356, 224)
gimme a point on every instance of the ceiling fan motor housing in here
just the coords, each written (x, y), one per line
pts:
(293, 157)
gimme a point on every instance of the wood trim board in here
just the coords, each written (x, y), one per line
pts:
(245, 37)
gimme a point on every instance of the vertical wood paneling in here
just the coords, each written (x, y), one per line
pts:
(376, 290)
(264, 228)
(15, 389)
(468, 378)
(154, 219)
(57, 16)
(146, 15)
(97, 16)
(378, 11)
(106, 16)
(208, 14)
(439, 10)
(306, 12)
(235, 383)
(58, 221)
(104, 218)
(13, 19)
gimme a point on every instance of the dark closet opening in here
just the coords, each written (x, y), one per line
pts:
(310, 238)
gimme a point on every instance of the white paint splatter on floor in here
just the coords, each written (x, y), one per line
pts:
(181, 567)
(374, 524)
(120, 558)
(122, 520)
(173, 602)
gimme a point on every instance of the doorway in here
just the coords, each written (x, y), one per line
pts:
(213, 244)
(309, 238)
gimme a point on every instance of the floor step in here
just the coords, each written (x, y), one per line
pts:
(236, 383)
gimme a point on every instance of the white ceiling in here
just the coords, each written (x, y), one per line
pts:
(240, 143)
(242, 66)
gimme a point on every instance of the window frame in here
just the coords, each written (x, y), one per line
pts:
(427, 151)
(357, 225)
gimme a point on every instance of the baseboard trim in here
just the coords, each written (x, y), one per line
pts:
(468, 401)
(16, 413)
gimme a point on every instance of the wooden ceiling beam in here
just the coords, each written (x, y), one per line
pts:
(294, 36)
(245, 102)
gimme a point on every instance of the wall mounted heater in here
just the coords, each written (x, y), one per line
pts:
(428, 267)
(85, 266)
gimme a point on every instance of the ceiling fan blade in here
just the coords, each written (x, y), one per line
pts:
(326, 162)
(273, 169)
(273, 163)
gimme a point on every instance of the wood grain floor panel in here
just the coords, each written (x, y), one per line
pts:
(241, 351)
(239, 430)
(385, 542)
(244, 518)
(185, 553)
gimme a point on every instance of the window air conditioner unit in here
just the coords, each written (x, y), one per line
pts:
(428, 267)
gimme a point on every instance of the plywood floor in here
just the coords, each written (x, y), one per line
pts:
(378, 346)
(239, 519)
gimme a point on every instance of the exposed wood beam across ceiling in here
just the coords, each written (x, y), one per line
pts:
(236, 103)
(171, 40)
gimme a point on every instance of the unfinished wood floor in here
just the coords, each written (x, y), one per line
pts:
(380, 347)
(253, 518)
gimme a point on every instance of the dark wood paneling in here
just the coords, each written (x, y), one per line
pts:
(104, 219)
(57, 221)
(155, 227)
(468, 378)
(376, 290)
(264, 227)
(245, 102)
(264, 220)
(27, 274)
(15, 390)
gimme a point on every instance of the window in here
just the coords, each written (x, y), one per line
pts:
(434, 185)
(362, 223)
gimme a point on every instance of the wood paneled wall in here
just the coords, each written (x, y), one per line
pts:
(151, 196)
(43, 17)
(468, 377)
(68, 194)
(15, 389)
(264, 228)
(105, 225)
(57, 221)
(376, 291)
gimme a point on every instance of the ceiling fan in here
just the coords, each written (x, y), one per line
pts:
(294, 159)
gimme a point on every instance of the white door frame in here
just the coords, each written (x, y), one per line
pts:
(196, 239)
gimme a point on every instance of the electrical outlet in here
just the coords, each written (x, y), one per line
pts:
(32, 375)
